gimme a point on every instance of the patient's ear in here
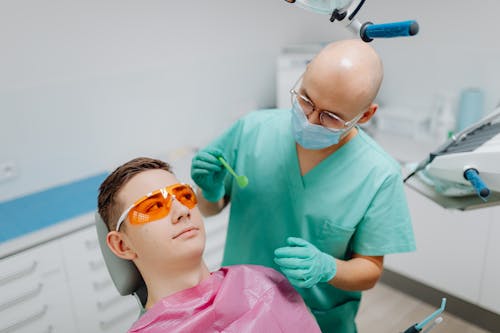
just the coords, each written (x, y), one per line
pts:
(118, 243)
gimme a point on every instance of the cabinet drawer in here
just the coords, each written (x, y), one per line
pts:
(101, 308)
(50, 312)
(25, 276)
(41, 262)
(35, 297)
(98, 306)
(81, 254)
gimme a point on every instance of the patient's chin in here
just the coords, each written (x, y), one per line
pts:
(195, 247)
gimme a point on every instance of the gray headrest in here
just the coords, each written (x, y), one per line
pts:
(124, 274)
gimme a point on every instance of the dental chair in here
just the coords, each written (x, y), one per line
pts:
(125, 276)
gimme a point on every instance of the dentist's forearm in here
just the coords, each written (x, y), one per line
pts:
(208, 208)
(357, 274)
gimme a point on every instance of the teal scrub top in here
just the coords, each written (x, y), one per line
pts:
(353, 201)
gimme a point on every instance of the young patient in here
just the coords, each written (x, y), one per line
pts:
(155, 222)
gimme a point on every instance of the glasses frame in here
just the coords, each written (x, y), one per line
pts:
(164, 192)
(346, 125)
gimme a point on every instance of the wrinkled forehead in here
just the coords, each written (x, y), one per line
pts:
(144, 183)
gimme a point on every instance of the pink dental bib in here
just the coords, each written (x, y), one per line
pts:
(241, 298)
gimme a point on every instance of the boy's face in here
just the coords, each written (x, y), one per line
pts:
(176, 239)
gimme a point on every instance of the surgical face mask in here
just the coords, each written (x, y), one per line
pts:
(311, 136)
(322, 6)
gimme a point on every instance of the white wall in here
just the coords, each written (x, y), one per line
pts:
(86, 85)
(456, 47)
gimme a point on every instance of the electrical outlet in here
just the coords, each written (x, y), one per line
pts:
(7, 171)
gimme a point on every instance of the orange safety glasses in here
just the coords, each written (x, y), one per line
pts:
(157, 204)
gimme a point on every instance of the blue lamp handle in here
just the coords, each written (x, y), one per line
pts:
(369, 31)
(472, 175)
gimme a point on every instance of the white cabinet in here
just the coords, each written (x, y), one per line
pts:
(98, 305)
(35, 297)
(490, 288)
(62, 286)
(457, 251)
(451, 246)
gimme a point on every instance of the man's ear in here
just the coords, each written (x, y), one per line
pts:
(368, 113)
(118, 243)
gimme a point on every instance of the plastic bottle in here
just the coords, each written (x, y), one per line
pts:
(443, 121)
(471, 108)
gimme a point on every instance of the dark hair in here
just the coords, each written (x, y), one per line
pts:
(107, 204)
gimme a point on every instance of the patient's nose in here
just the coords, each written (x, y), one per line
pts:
(179, 211)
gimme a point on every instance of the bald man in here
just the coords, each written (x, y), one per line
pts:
(324, 202)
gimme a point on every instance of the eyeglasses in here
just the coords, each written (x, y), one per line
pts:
(326, 118)
(156, 205)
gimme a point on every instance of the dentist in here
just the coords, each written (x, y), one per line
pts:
(324, 202)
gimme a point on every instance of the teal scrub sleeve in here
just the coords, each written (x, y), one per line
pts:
(386, 226)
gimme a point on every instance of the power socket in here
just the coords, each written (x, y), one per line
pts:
(8, 171)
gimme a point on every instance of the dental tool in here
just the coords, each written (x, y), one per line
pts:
(241, 180)
(438, 321)
(419, 326)
(471, 157)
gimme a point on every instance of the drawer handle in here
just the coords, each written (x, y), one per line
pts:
(105, 325)
(96, 265)
(106, 304)
(25, 321)
(24, 297)
(98, 286)
(20, 274)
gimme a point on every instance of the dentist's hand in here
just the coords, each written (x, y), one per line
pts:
(303, 264)
(208, 173)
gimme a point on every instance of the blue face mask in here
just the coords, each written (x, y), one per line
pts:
(311, 136)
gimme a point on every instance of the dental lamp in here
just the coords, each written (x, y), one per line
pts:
(346, 11)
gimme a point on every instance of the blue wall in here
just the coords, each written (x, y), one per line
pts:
(42, 209)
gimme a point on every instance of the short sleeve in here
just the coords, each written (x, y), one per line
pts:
(386, 226)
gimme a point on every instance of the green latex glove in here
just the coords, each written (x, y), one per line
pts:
(208, 173)
(303, 264)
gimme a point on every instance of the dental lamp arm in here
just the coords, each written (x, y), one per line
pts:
(368, 31)
(322, 6)
(347, 10)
